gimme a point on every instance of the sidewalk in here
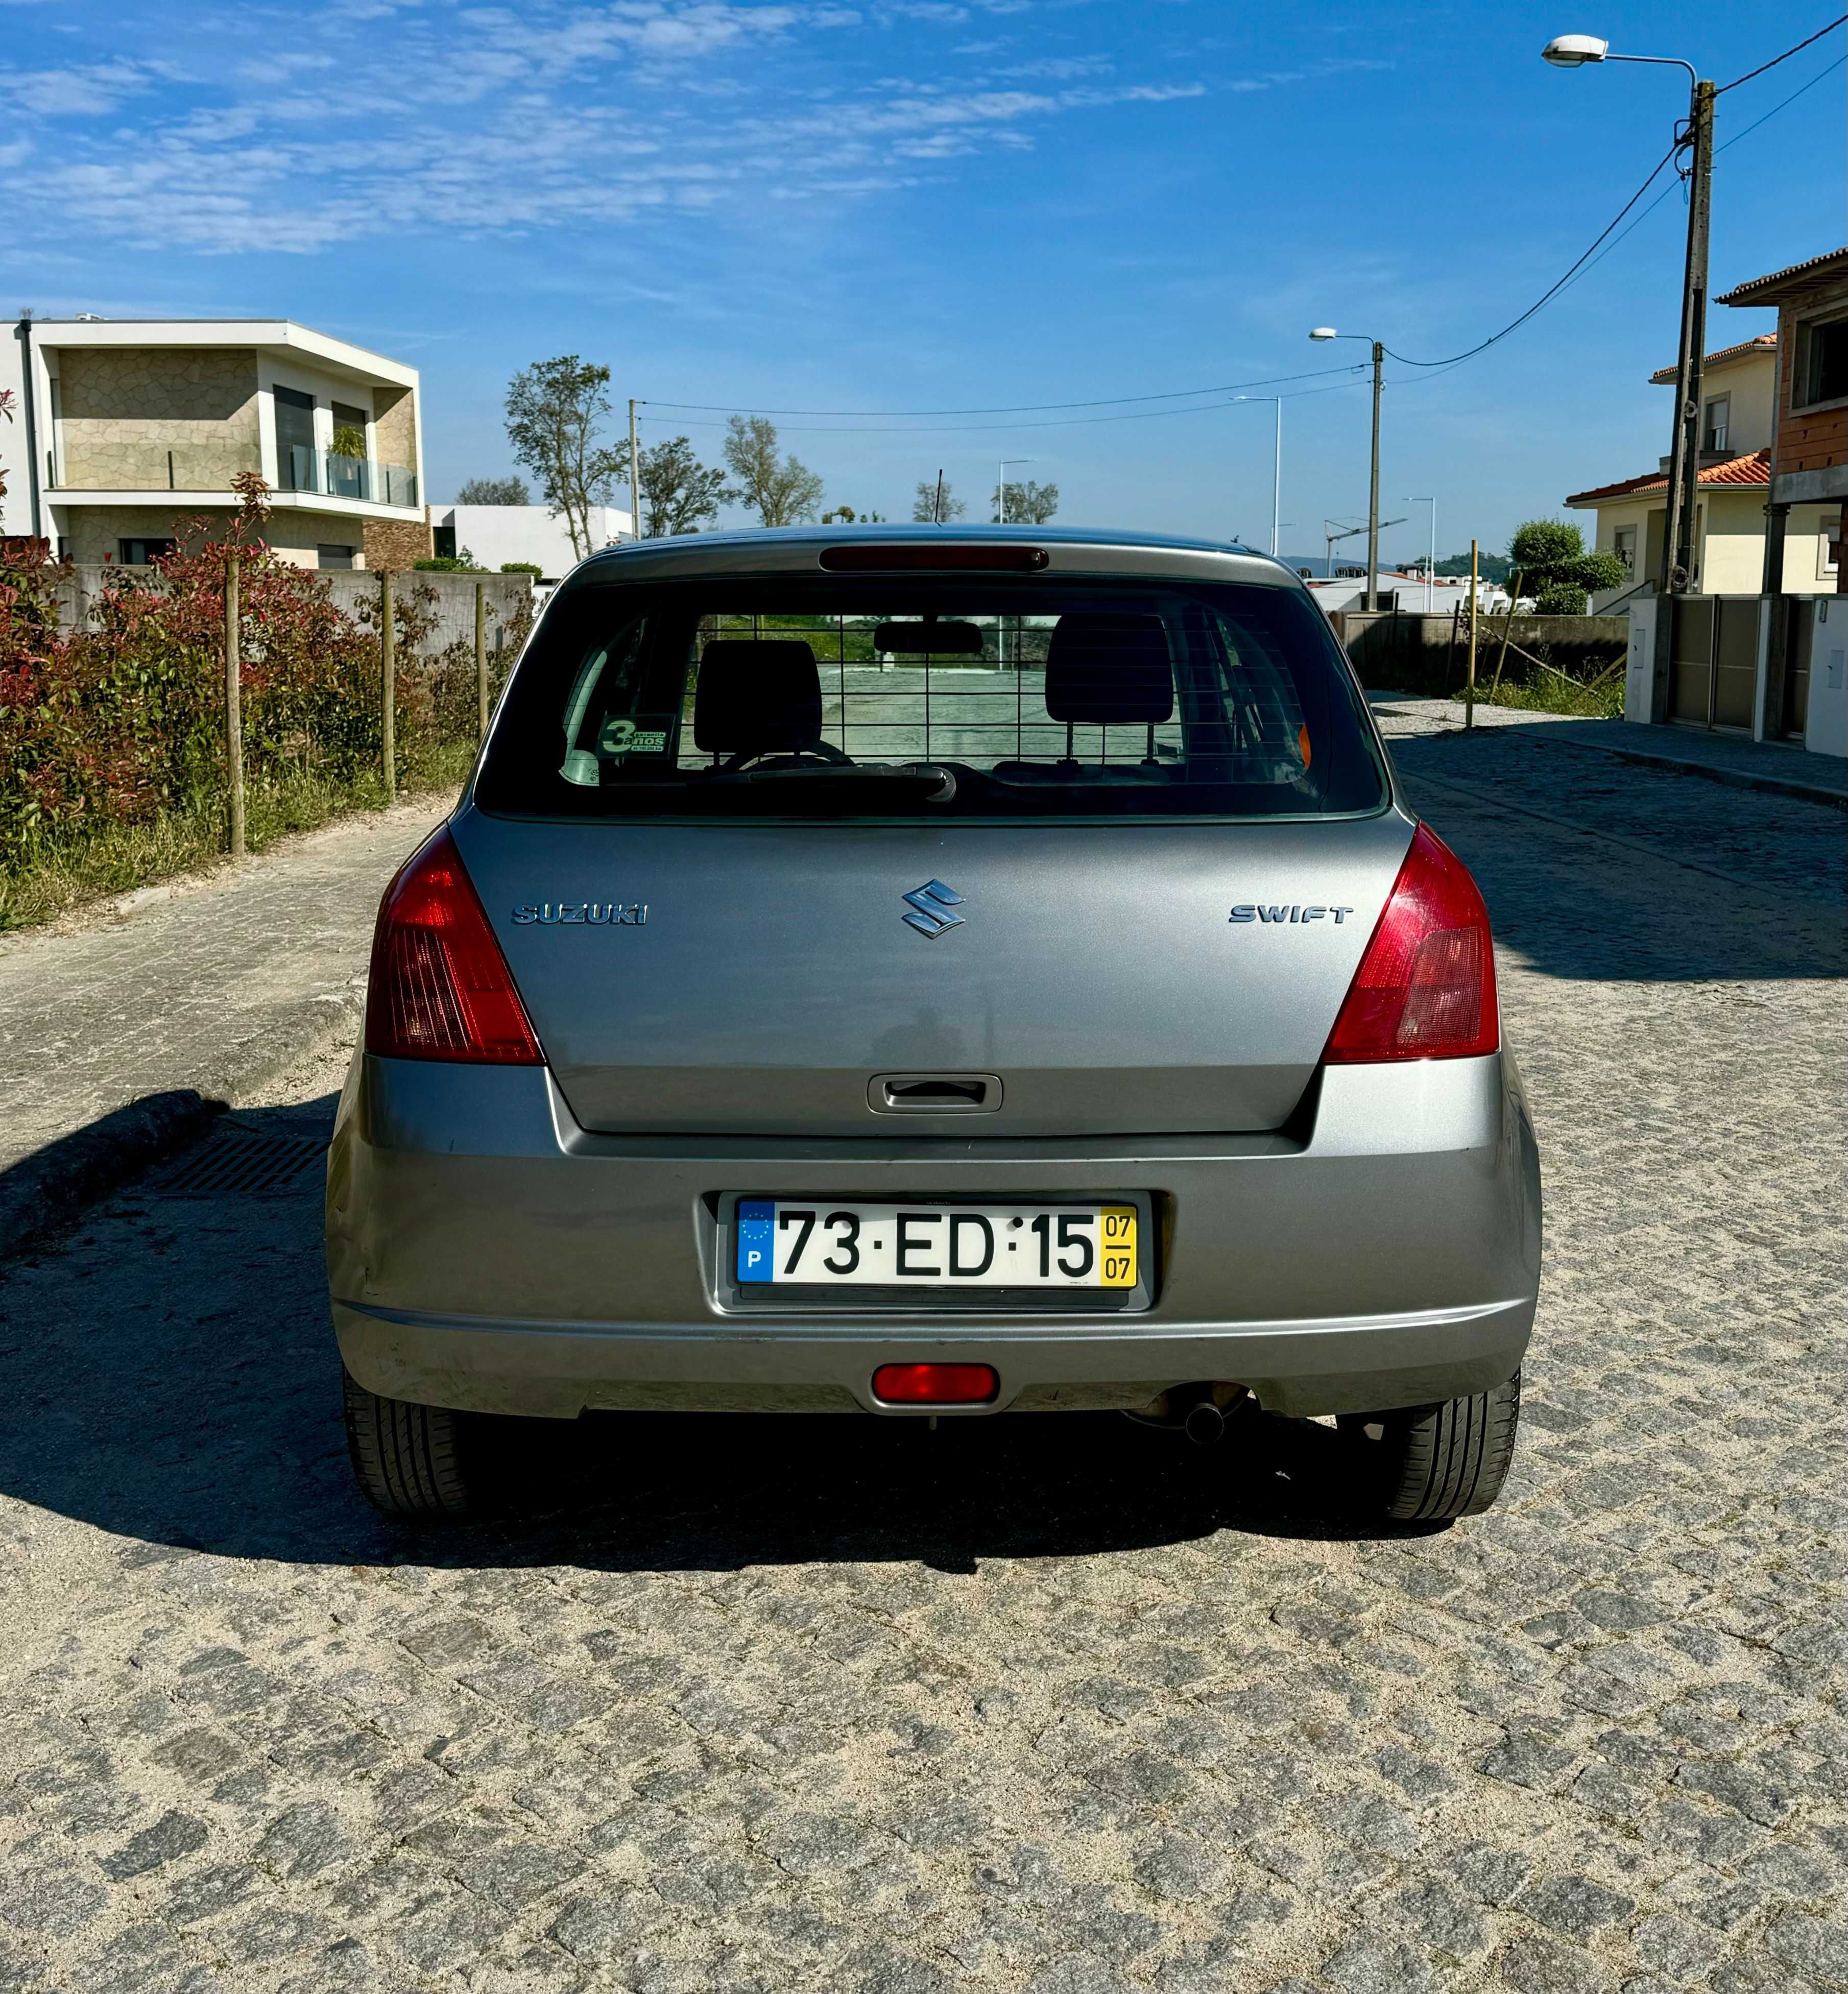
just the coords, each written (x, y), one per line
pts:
(1778, 768)
(122, 1027)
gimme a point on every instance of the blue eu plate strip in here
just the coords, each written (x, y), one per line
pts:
(756, 1228)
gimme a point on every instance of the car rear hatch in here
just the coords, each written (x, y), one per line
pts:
(964, 980)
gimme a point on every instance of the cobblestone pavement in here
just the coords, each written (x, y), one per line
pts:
(194, 983)
(1058, 1705)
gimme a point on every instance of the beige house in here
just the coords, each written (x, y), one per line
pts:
(133, 427)
(1738, 401)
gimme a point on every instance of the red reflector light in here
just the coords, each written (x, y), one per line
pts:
(997, 555)
(1425, 988)
(440, 988)
(935, 1384)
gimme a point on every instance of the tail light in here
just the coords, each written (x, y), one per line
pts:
(1425, 988)
(440, 988)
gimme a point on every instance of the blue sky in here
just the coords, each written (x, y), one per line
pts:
(926, 204)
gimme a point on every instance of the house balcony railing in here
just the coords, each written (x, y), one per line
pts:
(301, 469)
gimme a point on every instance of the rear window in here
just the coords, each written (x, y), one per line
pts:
(1053, 697)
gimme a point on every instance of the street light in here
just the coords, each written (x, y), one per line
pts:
(1276, 465)
(1001, 490)
(1372, 598)
(1412, 498)
(1574, 52)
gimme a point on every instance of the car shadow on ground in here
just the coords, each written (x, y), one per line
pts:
(176, 1385)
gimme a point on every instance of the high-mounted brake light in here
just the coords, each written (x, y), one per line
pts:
(440, 988)
(1425, 988)
(997, 556)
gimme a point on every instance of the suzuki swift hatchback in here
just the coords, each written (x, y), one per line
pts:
(934, 974)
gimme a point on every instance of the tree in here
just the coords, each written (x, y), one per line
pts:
(1556, 569)
(679, 493)
(553, 409)
(1026, 504)
(778, 490)
(924, 507)
(494, 491)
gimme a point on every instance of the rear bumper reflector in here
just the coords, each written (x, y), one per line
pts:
(936, 1384)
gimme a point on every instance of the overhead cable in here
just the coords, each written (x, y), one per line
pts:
(1005, 408)
(1785, 57)
(1551, 291)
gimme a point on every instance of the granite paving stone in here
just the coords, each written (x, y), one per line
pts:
(1048, 1706)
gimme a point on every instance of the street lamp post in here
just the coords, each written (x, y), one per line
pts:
(1431, 566)
(1277, 466)
(1001, 489)
(1575, 52)
(1372, 598)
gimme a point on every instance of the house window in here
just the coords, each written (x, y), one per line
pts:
(1623, 545)
(1713, 430)
(295, 460)
(141, 552)
(1821, 373)
(334, 557)
(1828, 548)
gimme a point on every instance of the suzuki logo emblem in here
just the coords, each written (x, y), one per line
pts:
(933, 901)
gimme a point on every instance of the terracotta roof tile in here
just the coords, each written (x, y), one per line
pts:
(1763, 343)
(1755, 470)
(1750, 292)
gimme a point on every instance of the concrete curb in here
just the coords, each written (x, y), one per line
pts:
(48, 1190)
(1734, 778)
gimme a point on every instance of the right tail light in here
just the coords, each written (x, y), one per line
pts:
(1425, 988)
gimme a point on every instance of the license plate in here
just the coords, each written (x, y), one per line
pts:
(824, 1244)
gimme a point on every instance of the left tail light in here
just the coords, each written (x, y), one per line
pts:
(440, 988)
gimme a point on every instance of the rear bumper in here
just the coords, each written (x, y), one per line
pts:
(484, 1252)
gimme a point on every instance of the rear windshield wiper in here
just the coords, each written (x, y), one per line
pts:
(930, 782)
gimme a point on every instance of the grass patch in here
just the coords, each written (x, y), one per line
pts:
(73, 867)
(1555, 692)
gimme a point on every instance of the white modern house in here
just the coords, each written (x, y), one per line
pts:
(126, 430)
(493, 536)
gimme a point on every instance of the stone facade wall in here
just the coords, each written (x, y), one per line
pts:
(96, 529)
(395, 427)
(124, 409)
(396, 543)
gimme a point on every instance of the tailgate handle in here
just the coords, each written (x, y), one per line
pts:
(933, 1093)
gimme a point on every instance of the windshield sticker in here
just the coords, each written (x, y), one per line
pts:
(645, 734)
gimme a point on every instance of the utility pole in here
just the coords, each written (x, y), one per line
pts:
(1475, 596)
(1373, 500)
(1684, 468)
(635, 480)
(1678, 527)
(1276, 477)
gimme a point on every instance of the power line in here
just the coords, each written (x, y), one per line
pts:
(1005, 408)
(1788, 54)
(1546, 296)
(1058, 423)
(1802, 91)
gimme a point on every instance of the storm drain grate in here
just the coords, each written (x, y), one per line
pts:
(235, 1165)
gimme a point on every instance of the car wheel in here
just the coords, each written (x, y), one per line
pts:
(1435, 1462)
(414, 1460)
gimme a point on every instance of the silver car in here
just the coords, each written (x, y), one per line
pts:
(932, 974)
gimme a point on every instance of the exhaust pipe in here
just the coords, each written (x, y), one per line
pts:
(1204, 1423)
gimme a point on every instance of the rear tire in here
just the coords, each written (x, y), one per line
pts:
(1437, 1462)
(412, 1460)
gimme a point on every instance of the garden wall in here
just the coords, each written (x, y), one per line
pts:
(1417, 653)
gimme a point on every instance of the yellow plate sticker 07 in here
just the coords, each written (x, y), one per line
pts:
(1116, 1250)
